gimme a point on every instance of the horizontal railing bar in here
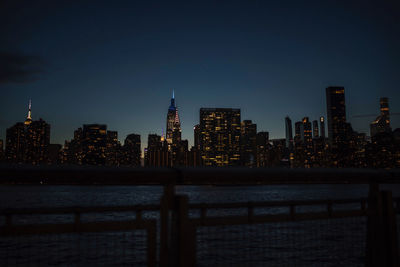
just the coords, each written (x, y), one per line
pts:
(72, 210)
(258, 204)
(236, 220)
(83, 175)
(89, 227)
(156, 207)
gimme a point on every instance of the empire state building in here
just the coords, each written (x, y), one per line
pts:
(173, 134)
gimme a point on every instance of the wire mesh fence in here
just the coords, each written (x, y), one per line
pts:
(333, 242)
(75, 249)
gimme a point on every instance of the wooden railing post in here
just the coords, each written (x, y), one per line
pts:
(184, 234)
(382, 244)
(166, 206)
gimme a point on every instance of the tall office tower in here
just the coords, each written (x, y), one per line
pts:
(15, 143)
(173, 123)
(322, 126)
(113, 149)
(336, 110)
(382, 123)
(132, 150)
(262, 149)
(94, 144)
(220, 136)
(196, 130)
(315, 129)
(298, 132)
(37, 142)
(289, 132)
(307, 133)
(248, 143)
(28, 142)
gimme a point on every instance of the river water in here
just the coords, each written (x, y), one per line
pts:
(315, 243)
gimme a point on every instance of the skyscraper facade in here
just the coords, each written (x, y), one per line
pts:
(262, 149)
(322, 126)
(248, 143)
(336, 110)
(28, 142)
(220, 132)
(315, 129)
(94, 144)
(132, 150)
(289, 132)
(157, 154)
(173, 122)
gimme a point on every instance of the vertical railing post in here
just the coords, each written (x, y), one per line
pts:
(389, 229)
(372, 244)
(184, 234)
(382, 244)
(166, 206)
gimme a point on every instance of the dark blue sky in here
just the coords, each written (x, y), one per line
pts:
(117, 62)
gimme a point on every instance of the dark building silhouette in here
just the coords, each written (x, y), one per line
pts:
(15, 143)
(157, 154)
(263, 149)
(220, 133)
(28, 142)
(298, 138)
(315, 129)
(322, 127)
(336, 110)
(196, 131)
(92, 145)
(54, 154)
(113, 149)
(248, 143)
(289, 133)
(307, 140)
(382, 123)
(131, 150)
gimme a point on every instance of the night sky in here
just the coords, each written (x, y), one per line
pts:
(117, 62)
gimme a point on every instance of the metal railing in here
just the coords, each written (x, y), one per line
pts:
(173, 237)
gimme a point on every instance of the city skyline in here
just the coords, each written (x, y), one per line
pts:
(117, 63)
(189, 135)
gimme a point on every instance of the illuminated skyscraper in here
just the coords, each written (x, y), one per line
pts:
(220, 136)
(289, 132)
(28, 142)
(173, 122)
(336, 110)
(307, 133)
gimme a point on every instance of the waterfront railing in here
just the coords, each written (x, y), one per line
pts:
(180, 233)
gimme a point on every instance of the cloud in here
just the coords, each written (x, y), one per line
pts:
(19, 68)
